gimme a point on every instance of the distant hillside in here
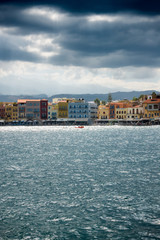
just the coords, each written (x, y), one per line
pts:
(14, 98)
(115, 95)
(87, 97)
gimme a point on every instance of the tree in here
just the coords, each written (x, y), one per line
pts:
(154, 95)
(141, 96)
(135, 99)
(109, 97)
(103, 102)
(97, 101)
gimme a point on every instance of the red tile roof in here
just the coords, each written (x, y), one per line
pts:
(152, 101)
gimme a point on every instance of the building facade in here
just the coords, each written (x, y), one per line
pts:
(33, 109)
(115, 106)
(63, 109)
(21, 109)
(151, 108)
(121, 113)
(78, 109)
(52, 111)
(103, 112)
(93, 110)
(2, 110)
(11, 112)
(43, 109)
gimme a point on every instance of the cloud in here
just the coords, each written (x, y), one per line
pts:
(31, 78)
(92, 41)
(93, 6)
(80, 46)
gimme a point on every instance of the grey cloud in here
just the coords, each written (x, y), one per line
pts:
(93, 6)
(83, 43)
(11, 52)
(114, 60)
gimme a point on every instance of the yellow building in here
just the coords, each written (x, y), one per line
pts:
(52, 111)
(15, 112)
(103, 112)
(151, 108)
(121, 113)
(2, 110)
(63, 109)
(11, 112)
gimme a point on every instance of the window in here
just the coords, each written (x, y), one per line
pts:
(155, 106)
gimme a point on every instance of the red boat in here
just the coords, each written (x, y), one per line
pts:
(80, 127)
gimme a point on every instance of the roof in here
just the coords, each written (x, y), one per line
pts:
(152, 101)
(121, 104)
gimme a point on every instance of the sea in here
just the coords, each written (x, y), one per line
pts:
(62, 182)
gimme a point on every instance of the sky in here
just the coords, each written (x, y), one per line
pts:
(68, 46)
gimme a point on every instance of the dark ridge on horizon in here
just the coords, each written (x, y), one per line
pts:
(88, 97)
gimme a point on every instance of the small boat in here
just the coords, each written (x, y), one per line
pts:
(80, 127)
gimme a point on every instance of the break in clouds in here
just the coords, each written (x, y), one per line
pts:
(112, 36)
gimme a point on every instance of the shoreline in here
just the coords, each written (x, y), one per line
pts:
(97, 122)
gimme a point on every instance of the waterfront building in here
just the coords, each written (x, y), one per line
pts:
(115, 106)
(103, 112)
(15, 112)
(63, 109)
(50, 108)
(8, 112)
(52, 111)
(135, 112)
(55, 111)
(78, 109)
(11, 112)
(2, 110)
(33, 109)
(57, 100)
(93, 110)
(121, 113)
(151, 108)
(21, 109)
(43, 109)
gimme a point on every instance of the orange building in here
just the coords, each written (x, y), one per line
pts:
(113, 106)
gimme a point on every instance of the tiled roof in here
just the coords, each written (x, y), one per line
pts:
(152, 101)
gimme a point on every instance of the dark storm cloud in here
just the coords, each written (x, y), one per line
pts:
(11, 52)
(27, 23)
(94, 6)
(124, 42)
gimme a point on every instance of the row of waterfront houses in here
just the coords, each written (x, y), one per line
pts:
(41, 110)
(131, 110)
(78, 109)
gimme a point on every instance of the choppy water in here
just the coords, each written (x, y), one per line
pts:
(69, 183)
